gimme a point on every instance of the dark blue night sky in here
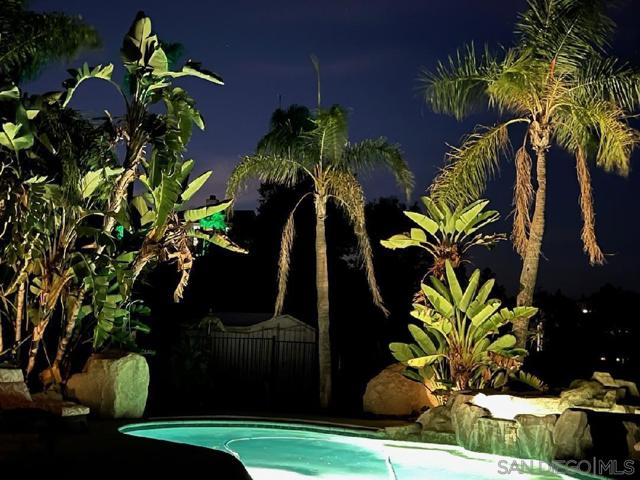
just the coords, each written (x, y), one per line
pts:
(371, 52)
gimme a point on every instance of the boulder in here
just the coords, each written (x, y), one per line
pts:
(535, 436)
(437, 419)
(493, 435)
(391, 393)
(630, 389)
(633, 439)
(572, 435)
(410, 432)
(589, 393)
(113, 387)
(11, 375)
(463, 419)
(605, 379)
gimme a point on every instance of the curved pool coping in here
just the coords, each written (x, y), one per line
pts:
(321, 426)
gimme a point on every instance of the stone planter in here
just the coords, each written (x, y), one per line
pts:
(113, 386)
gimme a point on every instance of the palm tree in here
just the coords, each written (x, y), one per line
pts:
(30, 40)
(314, 147)
(557, 82)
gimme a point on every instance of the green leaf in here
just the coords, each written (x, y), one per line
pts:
(194, 69)
(440, 303)
(399, 241)
(470, 291)
(418, 235)
(524, 312)
(400, 351)
(140, 205)
(196, 214)
(84, 73)
(16, 136)
(423, 221)
(502, 343)
(454, 285)
(469, 215)
(422, 339)
(221, 241)
(432, 208)
(9, 93)
(166, 196)
(485, 312)
(485, 291)
(195, 186)
(424, 361)
(440, 287)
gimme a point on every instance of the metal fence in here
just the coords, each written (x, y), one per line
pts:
(258, 371)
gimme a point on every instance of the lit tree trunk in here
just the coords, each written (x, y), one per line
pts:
(72, 317)
(19, 313)
(322, 289)
(37, 335)
(531, 259)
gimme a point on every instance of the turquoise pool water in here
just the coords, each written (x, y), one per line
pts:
(287, 451)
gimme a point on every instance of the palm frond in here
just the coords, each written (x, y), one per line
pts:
(265, 168)
(565, 32)
(284, 260)
(369, 154)
(522, 198)
(469, 166)
(458, 86)
(516, 84)
(347, 192)
(590, 243)
(330, 135)
(286, 131)
(609, 79)
(601, 129)
(31, 40)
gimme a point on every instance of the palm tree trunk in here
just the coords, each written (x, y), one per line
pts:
(529, 274)
(322, 289)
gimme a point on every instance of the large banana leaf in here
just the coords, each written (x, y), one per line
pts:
(196, 214)
(84, 73)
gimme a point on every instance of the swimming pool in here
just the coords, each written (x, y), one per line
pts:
(292, 451)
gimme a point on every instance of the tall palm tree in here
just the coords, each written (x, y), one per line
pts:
(559, 83)
(30, 40)
(314, 147)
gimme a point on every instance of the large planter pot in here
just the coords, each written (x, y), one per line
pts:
(113, 386)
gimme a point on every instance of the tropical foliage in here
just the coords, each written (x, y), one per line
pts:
(30, 40)
(559, 83)
(75, 238)
(314, 147)
(463, 340)
(447, 235)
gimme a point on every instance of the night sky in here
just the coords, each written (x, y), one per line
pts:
(371, 52)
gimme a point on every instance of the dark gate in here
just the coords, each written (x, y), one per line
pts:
(256, 372)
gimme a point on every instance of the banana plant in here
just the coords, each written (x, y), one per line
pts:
(170, 226)
(445, 234)
(148, 82)
(461, 342)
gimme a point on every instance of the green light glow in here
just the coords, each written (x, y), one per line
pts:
(214, 222)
